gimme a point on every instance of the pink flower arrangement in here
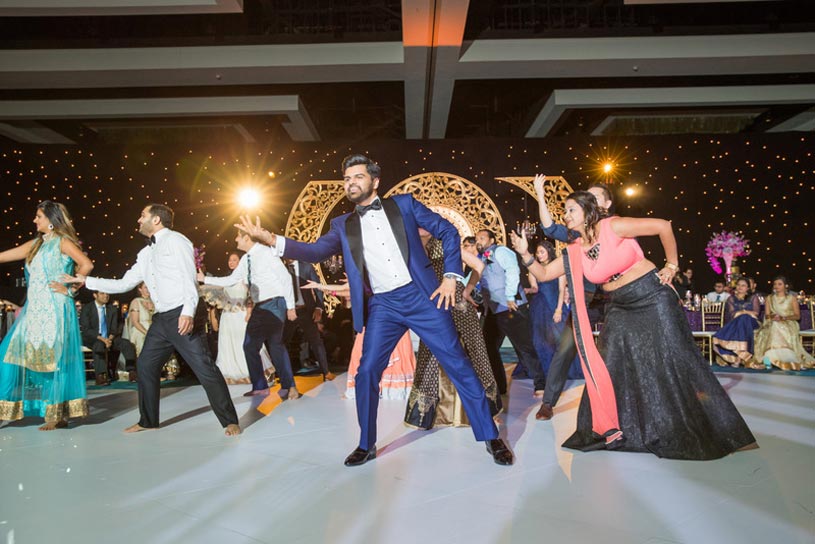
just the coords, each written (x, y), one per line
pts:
(198, 255)
(726, 246)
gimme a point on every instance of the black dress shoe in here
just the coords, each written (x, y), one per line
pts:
(360, 457)
(500, 452)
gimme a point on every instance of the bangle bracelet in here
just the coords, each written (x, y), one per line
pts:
(530, 261)
(671, 266)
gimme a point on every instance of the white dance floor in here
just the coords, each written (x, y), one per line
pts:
(283, 480)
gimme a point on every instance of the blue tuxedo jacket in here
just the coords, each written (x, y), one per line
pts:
(405, 215)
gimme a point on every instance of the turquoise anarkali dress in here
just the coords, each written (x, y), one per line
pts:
(41, 368)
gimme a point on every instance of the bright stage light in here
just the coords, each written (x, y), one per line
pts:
(608, 167)
(629, 192)
(248, 198)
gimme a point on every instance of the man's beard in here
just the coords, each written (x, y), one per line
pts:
(363, 195)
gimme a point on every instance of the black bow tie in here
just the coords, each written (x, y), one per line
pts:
(375, 205)
(151, 240)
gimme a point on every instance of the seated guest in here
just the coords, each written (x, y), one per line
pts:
(733, 343)
(683, 282)
(777, 341)
(99, 323)
(754, 289)
(718, 294)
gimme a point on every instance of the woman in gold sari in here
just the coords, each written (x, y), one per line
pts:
(777, 341)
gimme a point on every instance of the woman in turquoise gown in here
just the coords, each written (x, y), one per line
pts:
(41, 368)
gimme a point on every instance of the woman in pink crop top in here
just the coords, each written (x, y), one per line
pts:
(648, 388)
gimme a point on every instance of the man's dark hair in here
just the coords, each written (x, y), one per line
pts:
(489, 233)
(469, 240)
(164, 213)
(352, 160)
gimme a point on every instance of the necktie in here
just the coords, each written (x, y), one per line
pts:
(375, 205)
(718, 298)
(295, 284)
(103, 324)
(249, 271)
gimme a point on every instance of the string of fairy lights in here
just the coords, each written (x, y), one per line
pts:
(762, 185)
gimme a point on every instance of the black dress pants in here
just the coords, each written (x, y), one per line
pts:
(162, 339)
(305, 322)
(101, 356)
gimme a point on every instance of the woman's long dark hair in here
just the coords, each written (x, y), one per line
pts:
(59, 217)
(591, 210)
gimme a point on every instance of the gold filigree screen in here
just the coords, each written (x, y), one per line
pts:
(456, 199)
(556, 189)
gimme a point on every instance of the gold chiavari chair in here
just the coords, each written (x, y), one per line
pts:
(712, 321)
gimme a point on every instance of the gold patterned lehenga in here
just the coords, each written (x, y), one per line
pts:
(778, 341)
(41, 368)
(434, 400)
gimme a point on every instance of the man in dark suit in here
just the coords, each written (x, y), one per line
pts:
(393, 287)
(101, 332)
(309, 306)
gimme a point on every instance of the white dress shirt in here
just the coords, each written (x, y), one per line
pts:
(298, 295)
(269, 276)
(386, 267)
(166, 267)
(713, 296)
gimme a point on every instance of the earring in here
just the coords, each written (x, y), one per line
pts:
(51, 227)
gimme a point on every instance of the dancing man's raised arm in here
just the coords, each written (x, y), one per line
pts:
(324, 247)
(239, 274)
(130, 280)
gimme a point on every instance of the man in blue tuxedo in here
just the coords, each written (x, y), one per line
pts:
(392, 290)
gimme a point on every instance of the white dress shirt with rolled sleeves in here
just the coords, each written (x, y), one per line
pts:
(270, 277)
(167, 267)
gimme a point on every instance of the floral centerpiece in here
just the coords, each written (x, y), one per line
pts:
(726, 246)
(198, 255)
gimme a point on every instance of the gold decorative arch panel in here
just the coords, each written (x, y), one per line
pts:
(308, 215)
(457, 199)
(556, 189)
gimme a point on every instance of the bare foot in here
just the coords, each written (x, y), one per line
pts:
(289, 394)
(232, 430)
(51, 425)
(137, 429)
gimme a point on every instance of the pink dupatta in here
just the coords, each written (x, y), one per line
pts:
(598, 382)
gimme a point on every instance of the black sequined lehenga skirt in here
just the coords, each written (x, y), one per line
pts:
(669, 401)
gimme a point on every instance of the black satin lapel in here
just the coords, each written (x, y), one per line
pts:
(394, 215)
(353, 231)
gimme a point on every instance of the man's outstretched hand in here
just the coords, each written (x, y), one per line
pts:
(255, 230)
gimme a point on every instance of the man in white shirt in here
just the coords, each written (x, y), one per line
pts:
(167, 267)
(718, 294)
(272, 294)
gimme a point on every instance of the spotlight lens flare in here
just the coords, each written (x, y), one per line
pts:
(608, 167)
(629, 192)
(248, 198)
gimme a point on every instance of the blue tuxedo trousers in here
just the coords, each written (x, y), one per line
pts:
(390, 315)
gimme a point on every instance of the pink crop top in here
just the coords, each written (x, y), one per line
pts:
(614, 257)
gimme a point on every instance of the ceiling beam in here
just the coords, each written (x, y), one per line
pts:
(96, 8)
(196, 66)
(638, 56)
(299, 125)
(744, 95)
